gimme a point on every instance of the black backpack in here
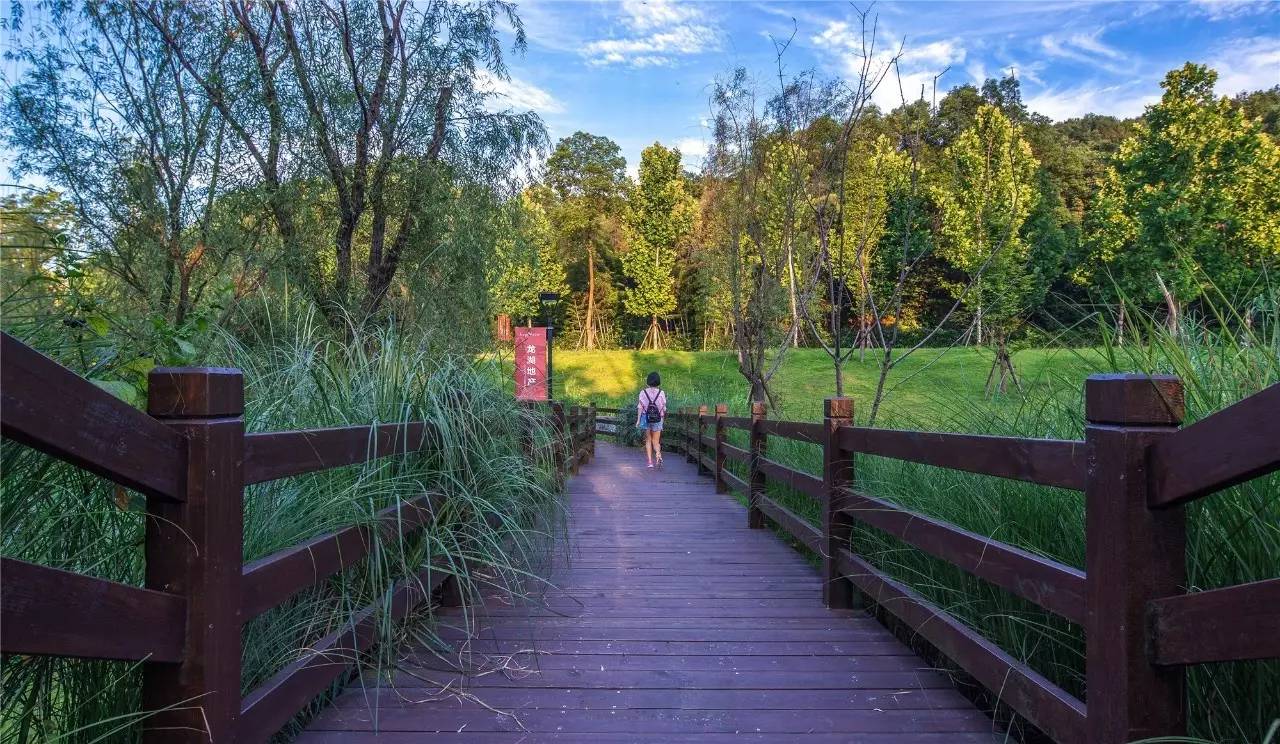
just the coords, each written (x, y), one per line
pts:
(652, 414)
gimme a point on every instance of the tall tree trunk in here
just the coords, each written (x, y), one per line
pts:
(795, 311)
(589, 328)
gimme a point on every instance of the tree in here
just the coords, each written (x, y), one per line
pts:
(372, 113)
(986, 191)
(587, 174)
(788, 222)
(525, 262)
(877, 170)
(106, 112)
(661, 215)
(1191, 198)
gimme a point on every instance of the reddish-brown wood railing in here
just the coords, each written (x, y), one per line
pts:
(192, 459)
(1135, 467)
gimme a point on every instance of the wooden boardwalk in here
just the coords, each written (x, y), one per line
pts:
(670, 622)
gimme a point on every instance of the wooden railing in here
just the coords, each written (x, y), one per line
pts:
(192, 459)
(1136, 468)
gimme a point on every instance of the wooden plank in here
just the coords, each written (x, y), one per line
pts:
(537, 721)
(1047, 706)
(797, 527)
(1234, 445)
(575, 699)
(287, 453)
(805, 483)
(679, 679)
(269, 581)
(1229, 624)
(636, 737)
(737, 454)
(1054, 586)
(799, 431)
(275, 702)
(733, 481)
(51, 612)
(1048, 462)
(736, 644)
(52, 409)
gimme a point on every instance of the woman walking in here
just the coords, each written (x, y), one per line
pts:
(651, 411)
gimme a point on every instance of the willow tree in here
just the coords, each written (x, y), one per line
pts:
(372, 123)
(985, 191)
(661, 215)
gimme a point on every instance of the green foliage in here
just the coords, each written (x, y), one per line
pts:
(1191, 195)
(661, 215)
(525, 262)
(984, 194)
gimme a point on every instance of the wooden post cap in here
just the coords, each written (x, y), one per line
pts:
(187, 392)
(1135, 399)
(758, 409)
(702, 410)
(722, 409)
(841, 408)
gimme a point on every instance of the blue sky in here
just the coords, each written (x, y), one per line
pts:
(640, 71)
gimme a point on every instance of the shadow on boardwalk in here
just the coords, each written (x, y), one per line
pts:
(670, 622)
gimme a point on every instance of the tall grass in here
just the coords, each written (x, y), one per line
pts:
(500, 511)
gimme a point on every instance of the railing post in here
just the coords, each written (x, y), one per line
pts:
(1133, 554)
(558, 426)
(194, 549)
(575, 437)
(759, 448)
(690, 428)
(591, 431)
(698, 448)
(837, 476)
(722, 410)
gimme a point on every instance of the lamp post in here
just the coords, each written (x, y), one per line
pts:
(547, 299)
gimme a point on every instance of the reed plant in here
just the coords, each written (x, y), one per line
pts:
(501, 511)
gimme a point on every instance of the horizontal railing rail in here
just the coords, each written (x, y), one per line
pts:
(1135, 466)
(192, 459)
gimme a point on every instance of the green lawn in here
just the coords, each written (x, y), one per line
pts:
(932, 389)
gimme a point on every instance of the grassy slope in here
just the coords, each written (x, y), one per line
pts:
(931, 389)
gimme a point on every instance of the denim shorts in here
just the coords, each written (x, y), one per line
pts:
(644, 423)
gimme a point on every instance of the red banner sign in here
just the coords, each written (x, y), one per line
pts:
(531, 363)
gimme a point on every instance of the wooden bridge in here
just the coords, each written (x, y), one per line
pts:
(671, 615)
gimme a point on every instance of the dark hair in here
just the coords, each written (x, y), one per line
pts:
(653, 379)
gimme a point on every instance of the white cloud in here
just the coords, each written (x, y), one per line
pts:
(1087, 49)
(646, 15)
(692, 151)
(1121, 100)
(661, 32)
(517, 94)
(1218, 10)
(937, 54)
(1247, 64)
